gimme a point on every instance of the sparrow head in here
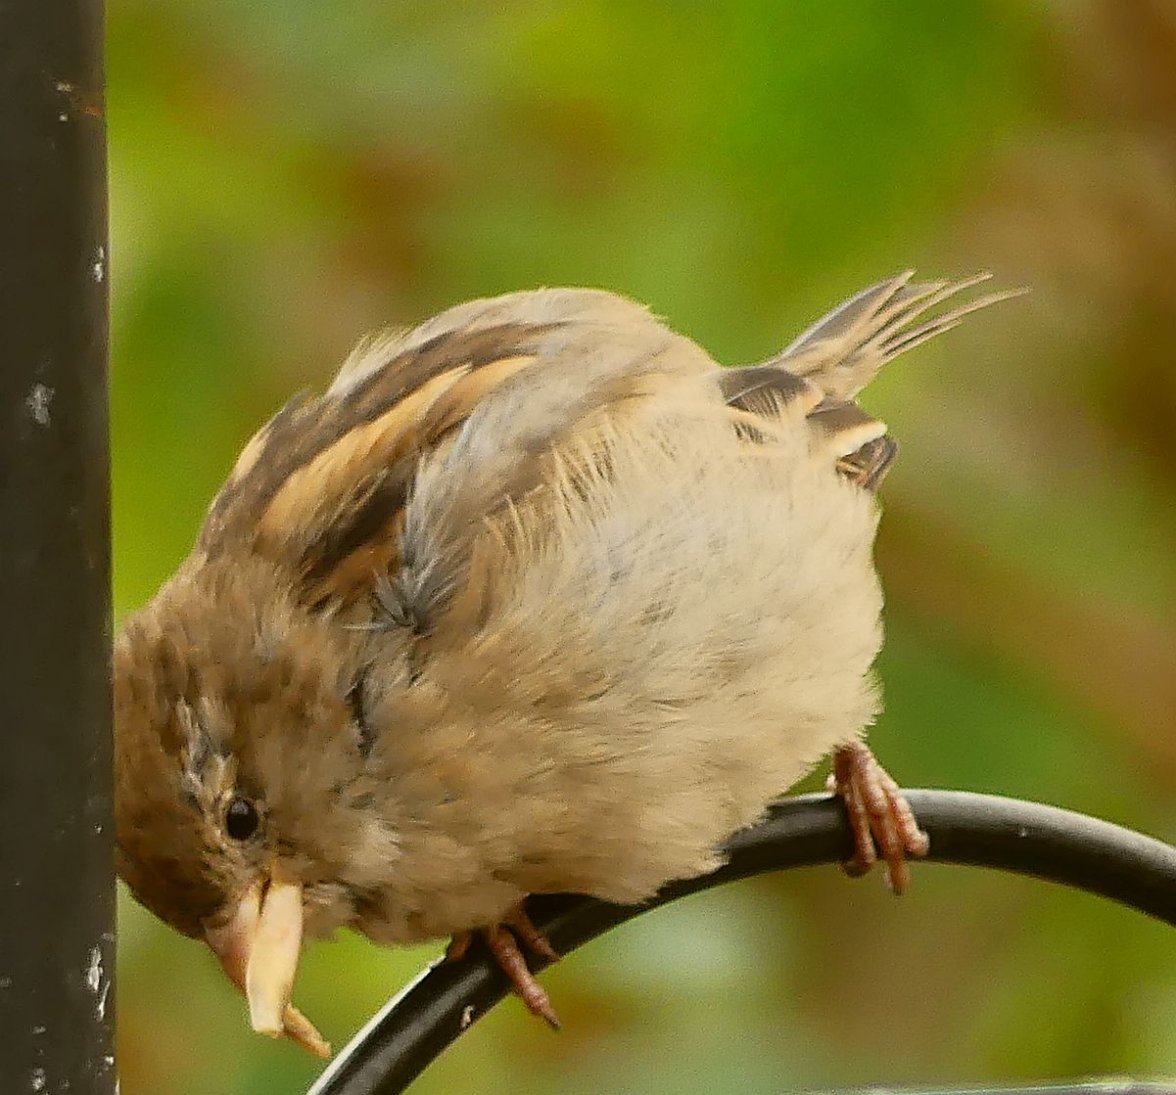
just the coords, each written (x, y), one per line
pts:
(240, 795)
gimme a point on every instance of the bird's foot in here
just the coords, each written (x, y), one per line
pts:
(503, 940)
(880, 818)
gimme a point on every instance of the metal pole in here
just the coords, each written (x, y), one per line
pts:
(56, 877)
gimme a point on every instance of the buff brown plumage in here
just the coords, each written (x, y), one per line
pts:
(535, 598)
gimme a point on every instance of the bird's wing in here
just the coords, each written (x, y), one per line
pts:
(321, 489)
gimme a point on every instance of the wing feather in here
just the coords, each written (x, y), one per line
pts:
(322, 489)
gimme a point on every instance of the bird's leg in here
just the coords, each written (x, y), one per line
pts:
(458, 945)
(880, 818)
(503, 941)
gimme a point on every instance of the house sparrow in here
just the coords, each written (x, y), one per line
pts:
(536, 598)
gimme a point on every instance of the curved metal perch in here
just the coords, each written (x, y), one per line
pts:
(980, 830)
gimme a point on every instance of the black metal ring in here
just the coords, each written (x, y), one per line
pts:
(980, 830)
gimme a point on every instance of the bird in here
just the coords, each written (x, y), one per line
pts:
(535, 598)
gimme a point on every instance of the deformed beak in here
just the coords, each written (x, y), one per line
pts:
(258, 949)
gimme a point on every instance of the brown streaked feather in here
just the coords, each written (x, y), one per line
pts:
(254, 478)
(361, 539)
(855, 441)
(858, 441)
(366, 539)
(251, 453)
(757, 390)
(306, 474)
(322, 490)
(867, 466)
(843, 427)
(455, 406)
(361, 544)
(741, 387)
(354, 457)
(405, 370)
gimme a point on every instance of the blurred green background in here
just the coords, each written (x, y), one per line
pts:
(287, 176)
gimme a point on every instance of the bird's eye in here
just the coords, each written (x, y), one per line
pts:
(241, 820)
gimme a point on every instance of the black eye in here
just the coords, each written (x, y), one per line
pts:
(241, 819)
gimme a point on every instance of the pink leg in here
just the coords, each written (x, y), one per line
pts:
(880, 818)
(503, 940)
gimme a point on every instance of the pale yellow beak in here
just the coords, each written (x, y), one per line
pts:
(258, 949)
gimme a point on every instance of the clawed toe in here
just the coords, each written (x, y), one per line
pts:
(503, 941)
(880, 818)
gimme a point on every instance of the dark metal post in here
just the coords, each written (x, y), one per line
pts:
(56, 878)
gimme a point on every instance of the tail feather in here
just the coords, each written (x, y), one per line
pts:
(843, 351)
(823, 369)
